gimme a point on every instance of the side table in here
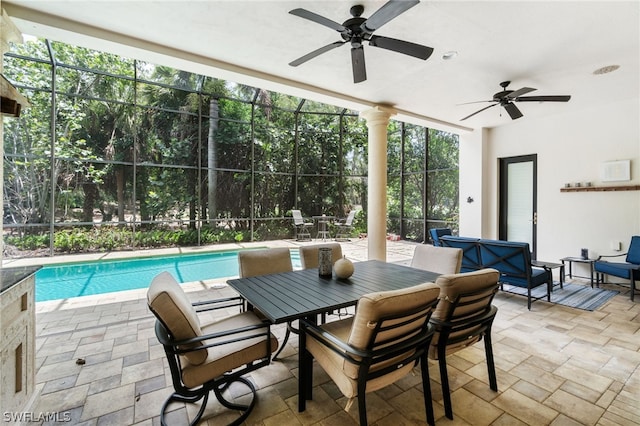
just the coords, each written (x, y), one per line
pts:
(572, 259)
(550, 266)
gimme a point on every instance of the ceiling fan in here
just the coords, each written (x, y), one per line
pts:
(356, 30)
(506, 99)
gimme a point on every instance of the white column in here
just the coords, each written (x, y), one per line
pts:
(377, 122)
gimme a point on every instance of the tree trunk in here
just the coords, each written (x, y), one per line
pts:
(90, 190)
(212, 158)
(120, 192)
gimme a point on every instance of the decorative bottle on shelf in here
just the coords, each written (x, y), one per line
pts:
(324, 261)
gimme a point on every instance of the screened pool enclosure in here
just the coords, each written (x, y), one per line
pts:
(118, 153)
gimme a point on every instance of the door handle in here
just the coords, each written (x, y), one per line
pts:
(535, 218)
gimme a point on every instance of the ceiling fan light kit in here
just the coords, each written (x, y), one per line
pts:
(357, 30)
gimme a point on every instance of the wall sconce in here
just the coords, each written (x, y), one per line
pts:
(469, 200)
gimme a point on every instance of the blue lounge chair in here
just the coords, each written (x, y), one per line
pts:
(630, 269)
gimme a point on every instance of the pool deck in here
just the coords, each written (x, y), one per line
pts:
(555, 365)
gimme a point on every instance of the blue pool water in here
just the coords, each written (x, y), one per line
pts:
(81, 279)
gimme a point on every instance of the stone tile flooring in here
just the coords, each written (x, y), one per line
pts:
(555, 366)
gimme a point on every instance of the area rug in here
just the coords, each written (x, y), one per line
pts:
(578, 296)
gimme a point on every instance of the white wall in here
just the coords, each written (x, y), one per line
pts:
(472, 148)
(571, 148)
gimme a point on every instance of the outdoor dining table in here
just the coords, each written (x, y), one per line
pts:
(299, 294)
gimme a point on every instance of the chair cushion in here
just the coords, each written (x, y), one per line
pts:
(470, 251)
(450, 287)
(374, 306)
(357, 332)
(617, 269)
(443, 260)
(228, 357)
(253, 263)
(170, 304)
(309, 254)
(633, 255)
(539, 276)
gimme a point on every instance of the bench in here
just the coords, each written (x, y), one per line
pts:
(511, 259)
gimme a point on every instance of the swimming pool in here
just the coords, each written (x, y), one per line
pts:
(67, 280)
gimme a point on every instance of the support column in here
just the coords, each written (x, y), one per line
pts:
(377, 122)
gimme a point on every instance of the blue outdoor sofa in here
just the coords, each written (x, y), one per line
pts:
(511, 259)
(630, 269)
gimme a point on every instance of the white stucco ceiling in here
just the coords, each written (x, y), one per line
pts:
(553, 46)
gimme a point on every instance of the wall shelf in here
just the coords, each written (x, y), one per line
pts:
(601, 188)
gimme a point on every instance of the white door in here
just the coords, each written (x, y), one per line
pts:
(518, 216)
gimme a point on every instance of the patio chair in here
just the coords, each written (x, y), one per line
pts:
(345, 226)
(253, 263)
(464, 316)
(302, 227)
(309, 254)
(309, 259)
(630, 269)
(436, 233)
(207, 357)
(388, 336)
(444, 260)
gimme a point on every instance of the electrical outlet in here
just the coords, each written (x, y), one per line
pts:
(616, 245)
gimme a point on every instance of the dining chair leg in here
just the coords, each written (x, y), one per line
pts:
(444, 378)
(426, 389)
(491, 367)
(362, 402)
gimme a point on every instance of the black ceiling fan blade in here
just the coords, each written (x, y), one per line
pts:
(558, 98)
(478, 111)
(513, 110)
(303, 13)
(475, 102)
(311, 55)
(357, 62)
(520, 92)
(387, 12)
(401, 46)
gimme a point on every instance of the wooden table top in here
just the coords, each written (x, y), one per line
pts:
(292, 295)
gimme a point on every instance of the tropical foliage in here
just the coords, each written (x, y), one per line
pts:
(117, 153)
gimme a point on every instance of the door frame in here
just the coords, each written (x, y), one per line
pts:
(503, 198)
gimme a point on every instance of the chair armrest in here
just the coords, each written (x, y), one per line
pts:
(178, 345)
(356, 355)
(212, 305)
(611, 255)
(332, 342)
(483, 318)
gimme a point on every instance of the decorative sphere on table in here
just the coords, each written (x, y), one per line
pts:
(343, 268)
